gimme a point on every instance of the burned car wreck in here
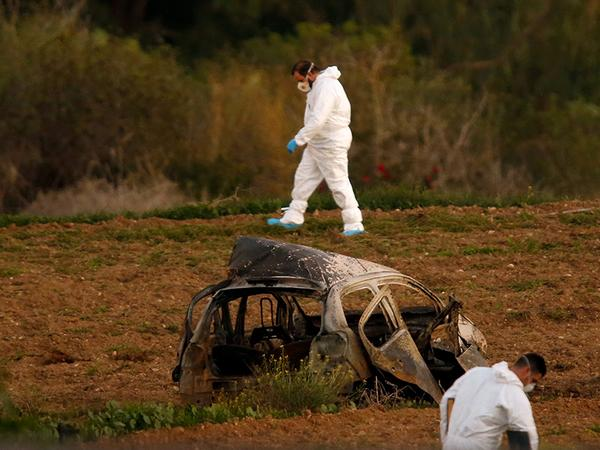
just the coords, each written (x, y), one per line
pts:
(295, 300)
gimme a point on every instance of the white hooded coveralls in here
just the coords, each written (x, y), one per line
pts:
(487, 402)
(328, 137)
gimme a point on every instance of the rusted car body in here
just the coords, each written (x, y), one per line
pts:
(290, 299)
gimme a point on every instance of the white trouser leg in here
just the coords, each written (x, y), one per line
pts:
(335, 170)
(307, 179)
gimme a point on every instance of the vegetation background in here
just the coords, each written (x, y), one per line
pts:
(132, 104)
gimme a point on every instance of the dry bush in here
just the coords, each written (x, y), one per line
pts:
(98, 195)
(79, 103)
(247, 120)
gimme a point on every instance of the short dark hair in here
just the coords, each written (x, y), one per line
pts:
(303, 66)
(536, 362)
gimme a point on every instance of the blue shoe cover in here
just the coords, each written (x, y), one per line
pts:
(349, 233)
(279, 223)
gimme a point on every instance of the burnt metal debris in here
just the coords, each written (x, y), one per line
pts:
(290, 299)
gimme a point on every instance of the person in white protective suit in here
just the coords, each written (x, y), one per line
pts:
(487, 401)
(327, 136)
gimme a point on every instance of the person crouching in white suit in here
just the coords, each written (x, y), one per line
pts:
(488, 401)
(327, 136)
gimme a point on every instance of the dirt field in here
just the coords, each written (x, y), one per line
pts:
(92, 313)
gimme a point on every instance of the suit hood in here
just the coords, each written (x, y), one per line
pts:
(331, 72)
(504, 375)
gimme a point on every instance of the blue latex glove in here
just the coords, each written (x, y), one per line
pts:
(292, 146)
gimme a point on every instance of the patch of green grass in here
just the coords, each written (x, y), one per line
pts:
(595, 428)
(444, 252)
(521, 286)
(585, 218)
(8, 272)
(101, 309)
(522, 220)
(14, 248)
(79, 330)
(147, 327)
(18, 355)
(559, 314)
(128, 235)
(92, 370)
(473, 250)
(192, 261)
(445, 221)
(557, 431)
(126, 352)
(68, 240)
(383, 226)
(116, 332)
(172, 328)
(185, 233)
(155, 258)
(182, 233)
(317, 226)
(529, 246)
(68, 264)
(97, 262)
(460, 223)
(517, 316)
(8, 245)
(68, 311)
(23, 235)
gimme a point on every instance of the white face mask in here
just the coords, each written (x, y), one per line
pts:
(305, 85)
(529, 386)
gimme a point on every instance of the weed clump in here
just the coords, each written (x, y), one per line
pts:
(282, 391)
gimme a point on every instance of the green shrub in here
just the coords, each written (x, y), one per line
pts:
(116, 419)
(280, 389)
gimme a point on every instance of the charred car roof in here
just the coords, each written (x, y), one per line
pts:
(264, 261)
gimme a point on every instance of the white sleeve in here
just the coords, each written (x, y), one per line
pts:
(449, 394)
(520, 417)
(324, 104)
(444, 418)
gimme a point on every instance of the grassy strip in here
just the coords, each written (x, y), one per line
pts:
(384, 198)
(278, 391)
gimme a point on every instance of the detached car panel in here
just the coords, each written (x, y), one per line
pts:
(295, 300)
